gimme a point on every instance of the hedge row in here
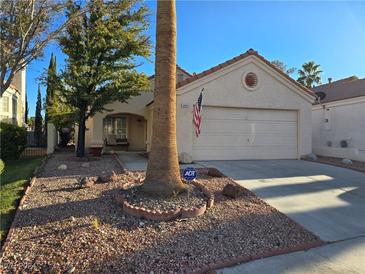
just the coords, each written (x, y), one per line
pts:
(13, 140)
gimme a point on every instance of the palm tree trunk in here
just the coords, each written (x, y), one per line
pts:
(163, 173)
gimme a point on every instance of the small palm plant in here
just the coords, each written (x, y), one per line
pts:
(310, 74)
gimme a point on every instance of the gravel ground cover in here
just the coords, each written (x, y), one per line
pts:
(356, 165)
(75, 167)
(64, 228)
(193, 198)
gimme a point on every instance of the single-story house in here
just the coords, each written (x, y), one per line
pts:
(250, 110)
(339, 119)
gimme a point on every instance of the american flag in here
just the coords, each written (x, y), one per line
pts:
(197, 118)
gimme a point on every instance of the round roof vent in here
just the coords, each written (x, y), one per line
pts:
(251, 80)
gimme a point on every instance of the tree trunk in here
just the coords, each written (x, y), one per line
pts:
(163, 172)
(80, 151)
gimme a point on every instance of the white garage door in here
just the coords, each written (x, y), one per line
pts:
(240, 133)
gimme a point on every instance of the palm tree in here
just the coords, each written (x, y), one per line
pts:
(309, 74)
(163, 173)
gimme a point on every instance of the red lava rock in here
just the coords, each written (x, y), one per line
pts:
(213, 172)
(232, 191)
(87, 182)
(104, 178)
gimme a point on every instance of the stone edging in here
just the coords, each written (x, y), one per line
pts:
(30, 182)
(246, 258)
(156, 215)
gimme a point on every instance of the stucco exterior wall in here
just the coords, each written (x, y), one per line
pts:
(136, 105)
(16, 91)
(337, 121)
(136, 126)
(225, 88)
(8, 116)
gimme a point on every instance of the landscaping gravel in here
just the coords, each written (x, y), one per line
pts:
(194, 198)
(64, 228)
(75, 167)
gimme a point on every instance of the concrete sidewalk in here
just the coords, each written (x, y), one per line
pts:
(343, 257)
(327, 200)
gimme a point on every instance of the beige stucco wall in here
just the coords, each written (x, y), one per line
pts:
(16, 91)
(225, 88)
(7, 116)
(221, 88)
(140, 133)
(136, 105)
(346, 121)
(136, 131)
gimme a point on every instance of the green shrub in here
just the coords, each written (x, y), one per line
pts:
(13, 140)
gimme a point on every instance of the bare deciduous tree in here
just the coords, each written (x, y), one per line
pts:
(26, 27)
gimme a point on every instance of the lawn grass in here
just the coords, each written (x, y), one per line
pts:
(13, 181)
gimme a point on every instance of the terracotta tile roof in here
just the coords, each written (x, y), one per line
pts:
(178, 67)
(250, 52)
(13, 87)
(346, 88)
(183, 70)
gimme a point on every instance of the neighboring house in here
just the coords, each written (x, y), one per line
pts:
(12, 103)
(339, 119)
(251, 110)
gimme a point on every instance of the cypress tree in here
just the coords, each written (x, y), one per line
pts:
(38, 119)
(50, 91)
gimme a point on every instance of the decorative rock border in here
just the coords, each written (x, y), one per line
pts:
(245, 258)
(157, 215)
(31, 183)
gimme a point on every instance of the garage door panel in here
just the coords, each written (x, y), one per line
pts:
(237, 154)
(245, 140)
(258, 127)
(248, 114)
(234, 134)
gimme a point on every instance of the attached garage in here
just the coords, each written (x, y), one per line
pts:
(244, 133)
(251, 110)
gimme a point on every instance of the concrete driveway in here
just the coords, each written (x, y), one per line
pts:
(327, 200)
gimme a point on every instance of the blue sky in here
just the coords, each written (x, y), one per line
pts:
(210, 32)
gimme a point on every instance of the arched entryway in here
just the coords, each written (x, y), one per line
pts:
(125, 131)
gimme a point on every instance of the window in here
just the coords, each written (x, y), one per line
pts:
(116, 126)
(120, 129)
(4, 104)
(15, 107)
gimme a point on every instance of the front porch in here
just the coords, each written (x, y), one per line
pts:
(124, 132)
